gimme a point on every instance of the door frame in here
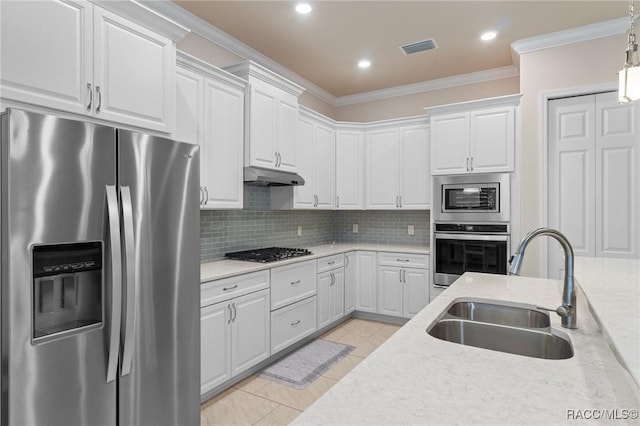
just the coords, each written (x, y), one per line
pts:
(544, 99)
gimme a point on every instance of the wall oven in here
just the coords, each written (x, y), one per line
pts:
(471, 226)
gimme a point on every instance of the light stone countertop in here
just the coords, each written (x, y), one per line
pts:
(414, 378)
(224, 268)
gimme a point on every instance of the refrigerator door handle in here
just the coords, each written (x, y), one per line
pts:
(116, 283)
(130, 280)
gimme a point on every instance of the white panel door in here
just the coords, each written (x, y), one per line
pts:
(287, 135)
(349, 170)
(617, 161)
(390, 291)
(215, 345)
(250, 330)
(366, 281)
(304, 195)
(221, 153)
(134, 72)
(324, 299)
(416, 291)
(414, 168)
(350, 278)
(449, 144)
(324, 159)
(262, 126)
(46, 53)
(492, 140)
(382, 171)
(571, 189)
(189, 107)
(337, 295)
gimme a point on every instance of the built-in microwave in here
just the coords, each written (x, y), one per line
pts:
(472, 198)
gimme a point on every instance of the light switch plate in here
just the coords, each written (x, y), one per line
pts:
(299, 231)
(355, 228)
(411, 230)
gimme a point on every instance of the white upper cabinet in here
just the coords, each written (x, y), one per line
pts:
(103, 65)
(474, 137)
(316, 165)
(398, 168)
(210, 112)
(350, 169)
(271, 118)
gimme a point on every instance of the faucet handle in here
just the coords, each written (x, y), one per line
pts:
(562, 310)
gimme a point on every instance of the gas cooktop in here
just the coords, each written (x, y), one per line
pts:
(269, 254)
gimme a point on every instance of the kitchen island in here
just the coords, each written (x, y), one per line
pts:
(414, 378)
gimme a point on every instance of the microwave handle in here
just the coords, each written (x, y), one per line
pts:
(471, 237)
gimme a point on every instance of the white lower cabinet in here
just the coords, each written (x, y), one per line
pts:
(350, 279)
(330, 291)
(366, 281)
(234, 336)
(402, 290)
(292, 323)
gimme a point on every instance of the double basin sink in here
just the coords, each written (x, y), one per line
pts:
(511, 328)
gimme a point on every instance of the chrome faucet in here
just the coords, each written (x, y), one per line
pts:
(568, 308)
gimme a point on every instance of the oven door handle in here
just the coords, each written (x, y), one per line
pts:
(471, 237)
(440, 286)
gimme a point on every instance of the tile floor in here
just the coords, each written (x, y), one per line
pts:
(256, 401)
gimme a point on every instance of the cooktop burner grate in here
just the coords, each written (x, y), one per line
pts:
(269, 254)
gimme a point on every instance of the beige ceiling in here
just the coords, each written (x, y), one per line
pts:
(325, 45)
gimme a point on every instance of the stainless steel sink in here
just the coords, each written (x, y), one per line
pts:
(535, 343)
(499, 314)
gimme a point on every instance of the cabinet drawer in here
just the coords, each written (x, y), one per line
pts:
(292, 283)
(330, 262)
(227, 288)
(403, 259)
(292, 323)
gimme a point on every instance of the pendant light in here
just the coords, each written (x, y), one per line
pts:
(629, 76)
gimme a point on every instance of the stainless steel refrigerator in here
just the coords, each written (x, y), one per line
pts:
(99, 246)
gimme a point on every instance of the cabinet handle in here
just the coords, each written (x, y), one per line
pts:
(201, 195)
(90, 97)
(331, 263)
(404, 275)
(400, 201)
(397, 203)
(403, 260)
(467, 163)
(295, 323)
(235, 312)
(333, 278)
(276, 160)
(99, 99)
(230, 314)
(346, 261)
(295, 282)
(400, 275)
(337, 201)
(206, 196)
(230, 288)
(471, 164)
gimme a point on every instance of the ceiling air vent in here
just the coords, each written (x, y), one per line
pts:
(418, 46)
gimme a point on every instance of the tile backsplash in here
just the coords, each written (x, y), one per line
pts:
(223, 231)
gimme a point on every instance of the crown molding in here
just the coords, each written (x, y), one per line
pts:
(573, 35)
(429, 86)
(250, 69)
(210, 71)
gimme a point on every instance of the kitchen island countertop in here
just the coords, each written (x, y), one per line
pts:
(414, 378)
(224, 268)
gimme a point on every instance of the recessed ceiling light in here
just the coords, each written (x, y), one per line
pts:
(489, 35)
(303, 8)
(364, 63)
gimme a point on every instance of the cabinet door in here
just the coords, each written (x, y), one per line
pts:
(416, 291)
(215, 346)
(449, 144)
(337, 295)
(304, 195)
(221, 154)
(262, 126)
(414, 168)
(189, 107)
(349, 170)
(366, 281)
(350, 277)
(492, 140)
(382, 171)
(250, 330)
(46, 54)
(390, 291)
(134, 72)
(286, 131)
(324, 167)
(324, 298)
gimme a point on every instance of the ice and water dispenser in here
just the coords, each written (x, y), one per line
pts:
(67, 288)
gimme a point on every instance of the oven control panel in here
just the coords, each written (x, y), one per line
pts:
(500, 228)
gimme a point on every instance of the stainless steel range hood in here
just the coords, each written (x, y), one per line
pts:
(267, 177)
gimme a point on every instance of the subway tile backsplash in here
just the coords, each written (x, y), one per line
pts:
(223, 231)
